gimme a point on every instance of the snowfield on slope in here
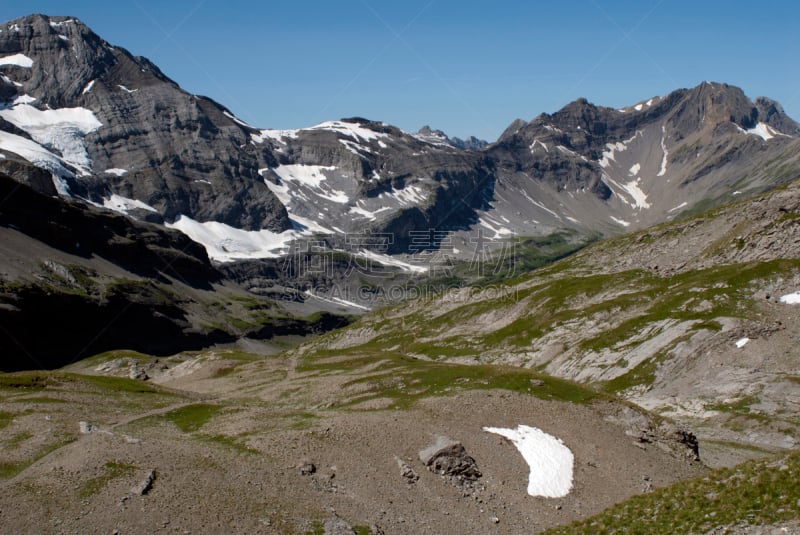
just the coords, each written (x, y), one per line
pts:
(61, 129)
(551, 462)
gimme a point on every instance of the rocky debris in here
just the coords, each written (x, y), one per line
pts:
(448, 457)
(407, 472)
(86, 428)
(306, 468)
(679, 441)
(137, 372)
(337, 526)
(146, 485)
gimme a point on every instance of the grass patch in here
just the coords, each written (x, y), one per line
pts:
(643, 373)
(5, 419)
(25, 380)
(405, 380)
(192, 417)
(17, 440)
(112, 470)
(757, 492)
(120, 384)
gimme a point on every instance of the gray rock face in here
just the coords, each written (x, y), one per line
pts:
(182, 154)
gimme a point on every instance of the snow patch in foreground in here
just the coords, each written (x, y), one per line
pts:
(741, 342)
(549, 459)
(791, 299)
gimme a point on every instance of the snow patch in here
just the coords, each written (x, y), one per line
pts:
(764, 131)
(544, 146)
(550, 461)
(387, 260)
(791, 299)
(638, 107)
(115, 171)
(639, 197)
(235, 119)
(277, 135)
(61, 129)
(20, 60)
(23, 99)
(684, 204)
(367, 214)
(123, 205)
(620, 221)
(62, 23)
(663, 170)
(405, 196)
(88, 87)
(634, 170)
(352, 130)
(741, 342)
(224, 243)
(38, 156)
(336, 300)
(127, 90)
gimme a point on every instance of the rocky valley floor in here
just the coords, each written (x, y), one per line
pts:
(222, 442)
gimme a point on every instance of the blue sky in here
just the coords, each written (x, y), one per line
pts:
(466, 67)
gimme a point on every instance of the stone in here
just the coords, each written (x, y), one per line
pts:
(146, 485)
(448, 457)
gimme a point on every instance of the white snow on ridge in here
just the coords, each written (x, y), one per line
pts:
(225, 243)
(62, 23)
(37, 155)
(791, 299)
(62, 129)
(277, 135)
(353, 130)
(235, 119)
(23, 99)
(88, 87)
(20, 60)
(127, 90)
(764, 131)
(123, 205)
(550, 461)
(116, 172)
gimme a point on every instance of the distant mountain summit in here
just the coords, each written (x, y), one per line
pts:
(426, 133)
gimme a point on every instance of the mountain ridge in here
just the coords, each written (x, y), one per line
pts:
(149, 149)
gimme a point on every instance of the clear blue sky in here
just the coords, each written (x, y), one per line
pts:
(465, 66)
